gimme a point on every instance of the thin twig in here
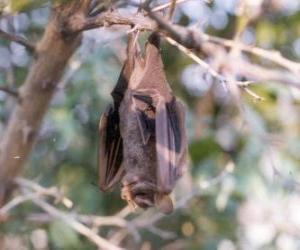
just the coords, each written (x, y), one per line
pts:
(92, 220)
(192, 38)
(147, 221)
(77, 226)
(9, 91)
(172, 9)
(21, 199)
(52, 191)
(235, 51)
(195, 58)
(166, 5)
(166, 235)
(110, 18)
(128, 227)
(274, 56)
(253, 94)
(17, 39)
(262, 74)
(242, 84)
(54, 212)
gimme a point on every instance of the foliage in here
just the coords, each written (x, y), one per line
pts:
(246, 209)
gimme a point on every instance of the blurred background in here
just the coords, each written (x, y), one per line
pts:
(242, 187)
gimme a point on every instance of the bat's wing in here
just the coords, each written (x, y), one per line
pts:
(171, 144)
(110, 150)
(110, 141)
(164, 120)
(145, 113)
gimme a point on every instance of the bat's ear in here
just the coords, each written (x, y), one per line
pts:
(163, 203)
(154, 39)
(152, 48)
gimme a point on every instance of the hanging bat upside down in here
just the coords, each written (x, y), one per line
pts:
(142, 139)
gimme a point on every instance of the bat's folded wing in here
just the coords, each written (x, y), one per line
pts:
(110, 150)
(171, 144)
(144, 110)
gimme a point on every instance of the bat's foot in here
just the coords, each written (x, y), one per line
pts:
(126, 195)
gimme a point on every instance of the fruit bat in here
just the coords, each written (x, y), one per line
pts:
(142, 139)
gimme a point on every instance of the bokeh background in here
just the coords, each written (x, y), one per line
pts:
(244, 158)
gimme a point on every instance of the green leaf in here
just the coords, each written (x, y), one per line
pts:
(203, 148)
(25, 5)
(63, 237)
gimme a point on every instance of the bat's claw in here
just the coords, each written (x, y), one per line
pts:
(126, 195)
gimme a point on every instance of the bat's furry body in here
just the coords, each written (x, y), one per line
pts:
(142, 137)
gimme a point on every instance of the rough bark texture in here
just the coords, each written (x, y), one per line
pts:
(51, 57)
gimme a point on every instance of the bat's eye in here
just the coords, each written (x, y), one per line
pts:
(143, 201)
(150, 112)
(141, 194)
(149, 108)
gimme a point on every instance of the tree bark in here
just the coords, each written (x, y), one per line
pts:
(50, 59)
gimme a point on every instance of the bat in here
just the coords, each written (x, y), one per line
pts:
(142, 139)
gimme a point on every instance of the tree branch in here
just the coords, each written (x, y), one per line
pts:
(273, 56)
(189, 38)
(34, 192)
(221, 79)
(9, 91)
(52, 55)
(167, 5)
(77, 226)
(110, 18)
(194, 39)
(146, 221)
(17, 39)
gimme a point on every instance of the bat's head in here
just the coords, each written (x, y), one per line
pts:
(143, 194)
(138, 193)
